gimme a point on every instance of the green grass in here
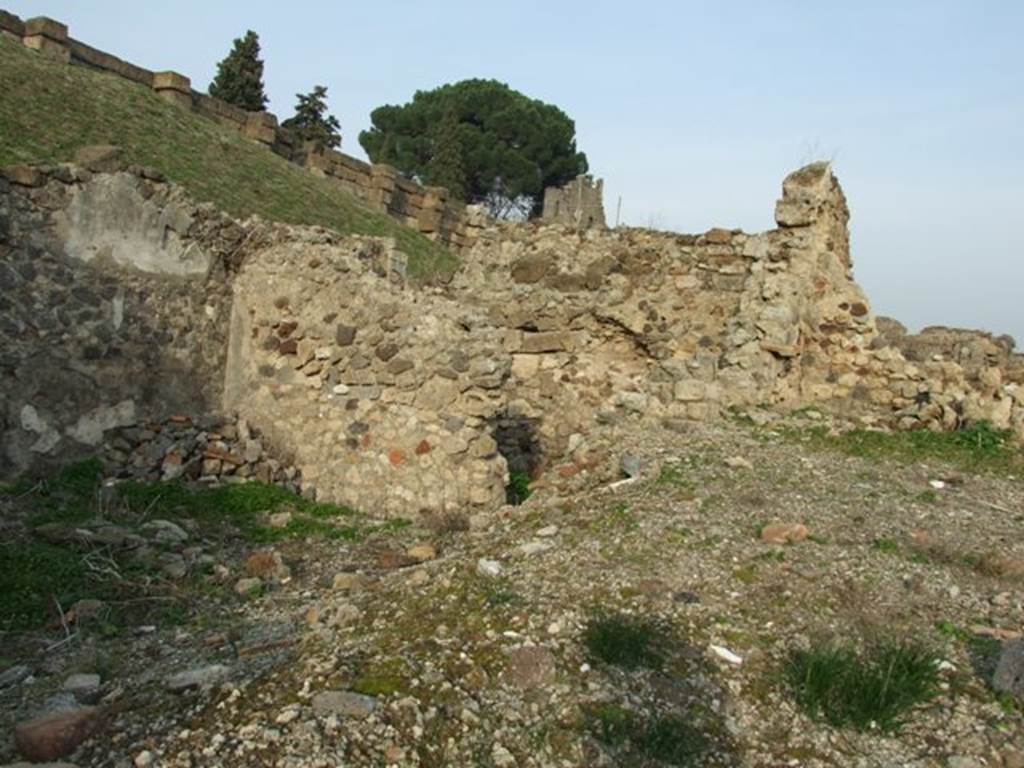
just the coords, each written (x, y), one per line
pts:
(875, 689)
(977, 448)
(35, 576)
(244, 507)
(50, 110)
(668, 739)
(624, 641)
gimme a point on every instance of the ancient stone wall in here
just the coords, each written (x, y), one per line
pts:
(382, 393)
(580, 203)
(428, 210)
(123, 301)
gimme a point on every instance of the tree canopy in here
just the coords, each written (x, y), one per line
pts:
(239, 79)
(311, 121)
(511, 147)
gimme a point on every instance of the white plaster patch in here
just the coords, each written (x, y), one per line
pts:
(91, 426)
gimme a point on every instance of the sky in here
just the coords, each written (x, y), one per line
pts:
(692, 112)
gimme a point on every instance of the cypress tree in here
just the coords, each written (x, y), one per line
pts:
(311, 121)
(445, 168)
(239, 79)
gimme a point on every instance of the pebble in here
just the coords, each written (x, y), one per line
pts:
(144, 759)
(738, 462)
(548, 531)
(534, 548)
(84, 687)
(248, 585)
(726, 655)
(784, 533)
(14, 675)
(422, 552)
(200, 677)
(345, 703)
(490, 568)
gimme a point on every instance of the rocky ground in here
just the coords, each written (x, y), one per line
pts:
(298, 635)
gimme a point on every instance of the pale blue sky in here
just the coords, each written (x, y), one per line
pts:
(692, 111)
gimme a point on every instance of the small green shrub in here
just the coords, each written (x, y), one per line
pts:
(674, 741)
(874, 689)
(886, 546)
(518, 489)
(669, 739)
(611, 724)
(624, 641)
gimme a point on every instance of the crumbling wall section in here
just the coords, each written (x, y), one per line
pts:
(580, 204)
(108, 313)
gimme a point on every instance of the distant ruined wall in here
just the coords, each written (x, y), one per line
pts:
(124, 303)
(428, 210)
(580, 204)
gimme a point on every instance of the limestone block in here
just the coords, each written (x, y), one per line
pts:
(173, 87)
(171, 81)
(46, 27)
(525, 367)
(56, 50)
(551, 341)
(24, 175)
(690, 390)
(261, 127)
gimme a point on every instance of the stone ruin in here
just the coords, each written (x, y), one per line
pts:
(126, 307)
(579, 204)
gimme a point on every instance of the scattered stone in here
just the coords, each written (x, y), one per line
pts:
(268, 565)
(534, 548)
(200, 677)
(784, 533)
(392, 560)
(280, 519)
(1009, 674)
(418, 578)
(14, 675)
(547, 531)
(422, 552)
(166, 532)
(144, 759)
(725, 654)
(490, 568)
(57, 734)
(501, 757)
(738, 462)
(248, 586)
(84, 687)
(345, 703)
(347, 582)
(632, 466)
(529, 667)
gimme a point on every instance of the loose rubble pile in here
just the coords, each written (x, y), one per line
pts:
(206, 449)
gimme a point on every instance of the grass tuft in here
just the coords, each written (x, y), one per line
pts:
(876, 689)
(624, 641)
